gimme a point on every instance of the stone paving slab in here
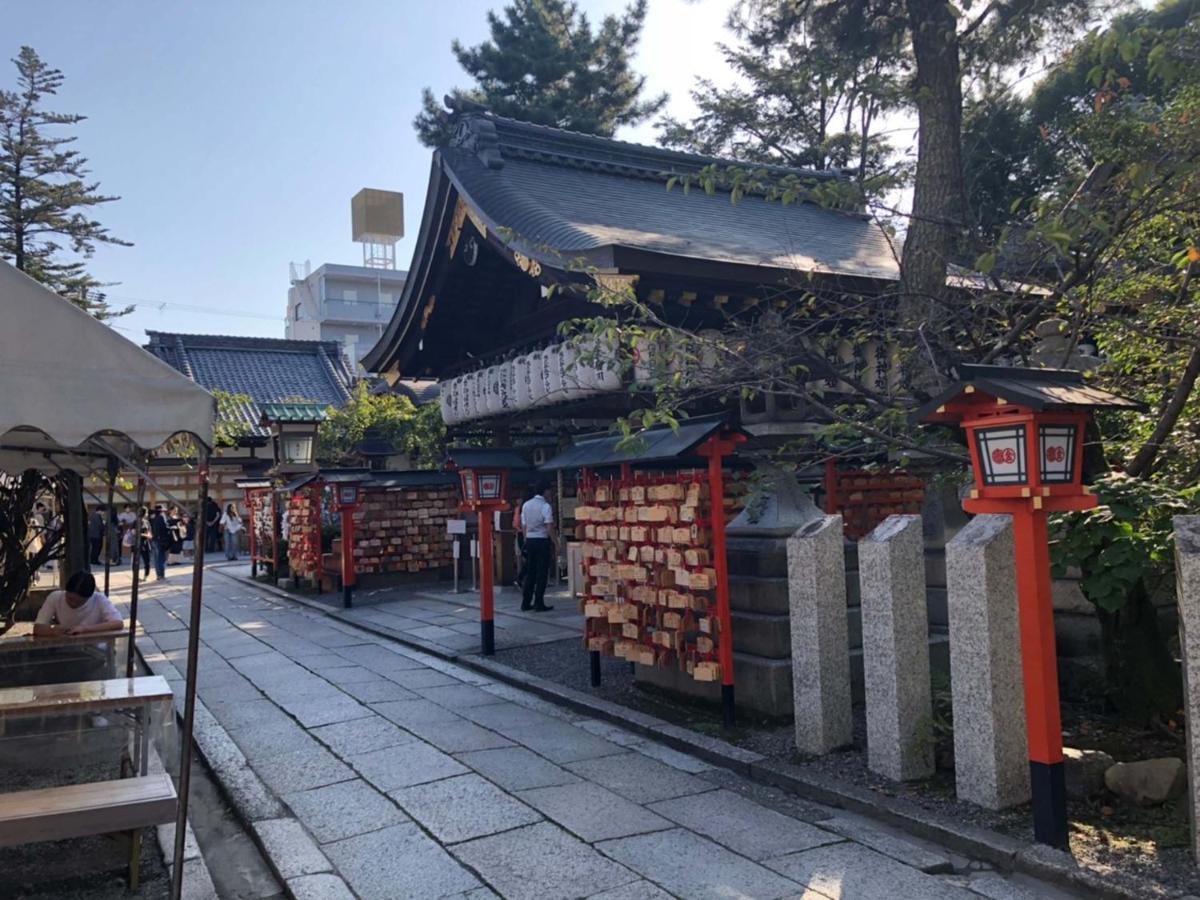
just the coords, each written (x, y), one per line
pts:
(462, 808)
(458, 696)
(541, 862)
(417, 763)
(516, 768)
(399, 862)
(638, 778)
(378, 690)
(906, 851)
(458, 737)
(319, 887)
(849, 871)
(592, 812)
(344, 810)
(362, 736)
(692, 866)
(414, 712)
(637, 890)
(742, 825)
(300, 770)
(287, 843)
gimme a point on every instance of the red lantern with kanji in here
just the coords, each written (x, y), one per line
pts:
(1025, 431)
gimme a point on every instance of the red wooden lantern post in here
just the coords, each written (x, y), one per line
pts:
(716, 449)
(347, 499)
(1025, 431)
(483, 491)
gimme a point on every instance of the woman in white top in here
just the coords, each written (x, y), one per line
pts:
(80, 609)
(231, 526)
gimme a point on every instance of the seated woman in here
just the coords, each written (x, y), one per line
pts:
(80, 609)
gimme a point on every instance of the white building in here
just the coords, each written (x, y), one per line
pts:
(348, 304)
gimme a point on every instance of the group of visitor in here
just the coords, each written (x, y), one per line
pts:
(168, 535)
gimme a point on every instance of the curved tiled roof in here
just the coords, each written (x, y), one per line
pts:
(267, 370)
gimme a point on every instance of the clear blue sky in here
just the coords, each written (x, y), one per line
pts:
(236, 131)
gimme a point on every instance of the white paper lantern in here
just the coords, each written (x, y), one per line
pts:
(446, 402)
(522, 382)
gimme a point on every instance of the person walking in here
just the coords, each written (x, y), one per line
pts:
(113, 540)
(231, 527)
(212, 525)
(143, 524)
(162, 539)
(95, 533)
(522, 560)
(541, 547)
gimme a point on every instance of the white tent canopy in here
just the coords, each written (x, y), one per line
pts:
(70, 383)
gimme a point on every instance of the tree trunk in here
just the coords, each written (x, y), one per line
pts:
(938, 193)
(1141, 677)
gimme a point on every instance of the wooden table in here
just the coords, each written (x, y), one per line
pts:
(91, 697)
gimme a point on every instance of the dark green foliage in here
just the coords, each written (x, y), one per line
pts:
(546, 64)
(24, 546)
(46, 197)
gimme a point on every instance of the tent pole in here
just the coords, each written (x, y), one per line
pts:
(142, 473)
(137, 571)
(189, 695)
(109, 514)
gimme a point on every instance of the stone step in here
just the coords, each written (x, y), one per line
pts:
(758, 595)
(757, 557)
(761, 634)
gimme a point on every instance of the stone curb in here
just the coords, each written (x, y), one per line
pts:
(1007, 854)
(251, 801)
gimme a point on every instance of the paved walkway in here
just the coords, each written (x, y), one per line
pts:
(433, 615)
(372, 770)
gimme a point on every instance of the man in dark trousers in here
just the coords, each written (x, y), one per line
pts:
(160, 531)
(95, 533)
(212, 526)
(541, 547)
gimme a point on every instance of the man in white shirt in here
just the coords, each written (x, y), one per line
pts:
(541, 547)
(80, 609)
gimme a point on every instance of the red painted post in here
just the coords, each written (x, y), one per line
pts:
(716, 449)
(252, 507)
(487, 614)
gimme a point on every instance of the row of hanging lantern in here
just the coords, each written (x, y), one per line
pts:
(557, 374)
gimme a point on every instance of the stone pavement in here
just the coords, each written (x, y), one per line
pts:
(368, 769)
(433, 615)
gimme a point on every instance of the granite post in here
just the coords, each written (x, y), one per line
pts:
(991, 753)
(891, 565)
(1187, 588)
(820, 639)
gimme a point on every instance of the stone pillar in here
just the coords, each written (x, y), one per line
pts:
(820, 641)
(891, 563)
(991, 754)
(1187, 588)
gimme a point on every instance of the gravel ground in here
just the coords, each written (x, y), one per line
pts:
(1107, 835)
(94, 868)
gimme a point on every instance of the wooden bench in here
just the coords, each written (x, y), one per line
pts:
(81, 810)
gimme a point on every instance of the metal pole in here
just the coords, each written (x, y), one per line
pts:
(109, 513)
(189, 695)
(137, 572)
(595, 659)
(487, 614)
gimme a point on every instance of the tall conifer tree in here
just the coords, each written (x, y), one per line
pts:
(46, 197)
(546, 64)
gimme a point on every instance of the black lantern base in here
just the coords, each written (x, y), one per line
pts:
(1048, 781)
(727, 714)
(595, 661)
(487, 636)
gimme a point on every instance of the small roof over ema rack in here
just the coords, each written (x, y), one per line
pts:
(1037, 389)
(652, 445)
(293, 412)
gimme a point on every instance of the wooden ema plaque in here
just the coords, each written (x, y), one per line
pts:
(864, 499)
(304, 532)
(648, 577)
